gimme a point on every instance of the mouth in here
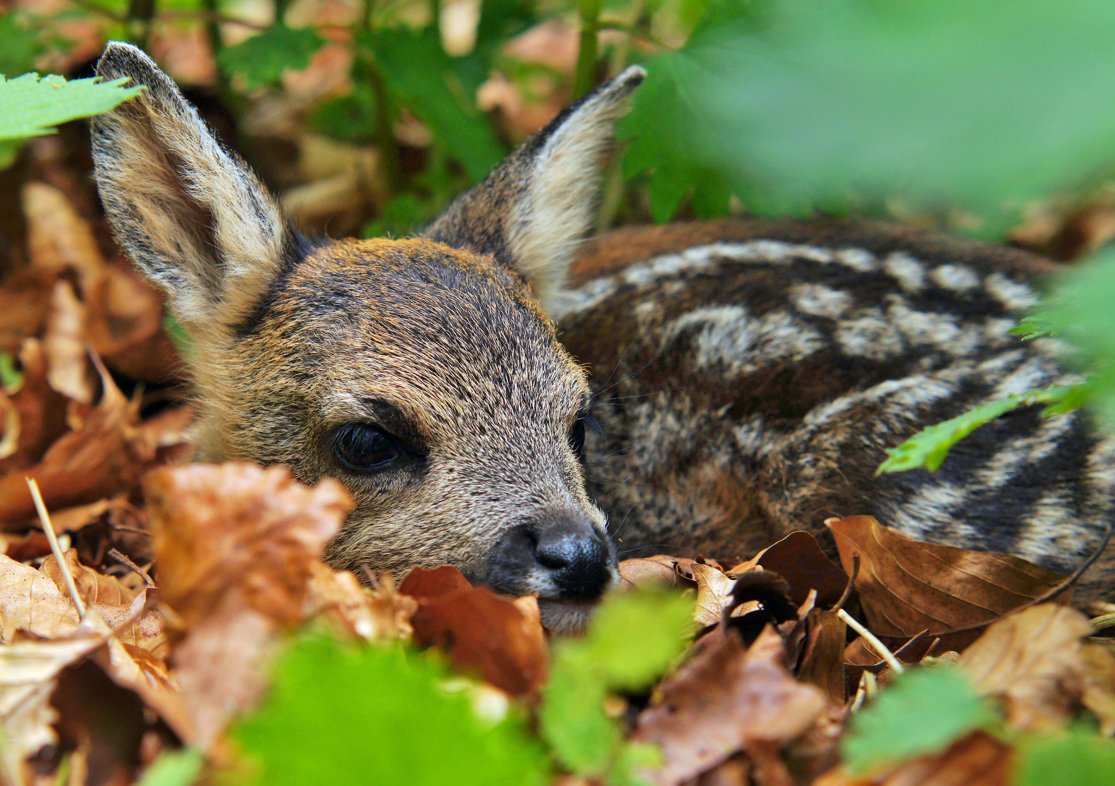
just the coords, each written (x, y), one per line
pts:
(565, 617)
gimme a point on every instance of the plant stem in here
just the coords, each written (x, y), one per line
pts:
(585, 75)
(140, 15)
(280, 10)
(384, 133)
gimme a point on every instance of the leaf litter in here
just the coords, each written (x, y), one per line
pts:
(196, 578)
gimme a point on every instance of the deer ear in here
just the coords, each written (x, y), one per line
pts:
(534, 209)
(191, 215)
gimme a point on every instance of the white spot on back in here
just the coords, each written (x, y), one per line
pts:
(858, 259)
(1011, 294)
(956, 278)
(820, 301)
(907, 271)
(868, 334)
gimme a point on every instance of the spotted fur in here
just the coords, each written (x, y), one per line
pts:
(748, 374)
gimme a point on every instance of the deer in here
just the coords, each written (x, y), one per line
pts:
(500, 394)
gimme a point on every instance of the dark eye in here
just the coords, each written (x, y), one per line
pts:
(362, 447)
(577, 438)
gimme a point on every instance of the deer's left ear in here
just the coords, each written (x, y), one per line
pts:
(534, 209)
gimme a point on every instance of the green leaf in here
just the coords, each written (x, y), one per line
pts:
(19, 45)
(929, 447)
(633, 638)
(798, 104)
(634, 757)
(922, 711)
(436, 94)
(1034, 326)
(1067, 759)
(400, 215)
(630, 642)
(30, 106)
(341, 714)
(10, 376)
(176, 768)
(262, 59)
(583, 738)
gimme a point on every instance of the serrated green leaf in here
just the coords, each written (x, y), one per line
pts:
(1070, 758)
(30, 106)
(930, 447)
(798, 104)
(262, 59)
(19, 45)
(436, 93)
(176, 768)
(342, 714)
(1034, 326)
(922, 711)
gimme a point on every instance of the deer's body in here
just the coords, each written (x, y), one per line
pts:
(748, 375)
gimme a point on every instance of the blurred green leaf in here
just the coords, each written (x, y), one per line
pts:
(175, 768)
(1069, 758)
(262, 59)
(350, 118)
(30, 106)
(630, 642)
(922, 711)
(10, 375)
(342, 714)
(401, 215)
(633, 638)
(436, 94)
(795, 104)
(930, 447)
(19, 45)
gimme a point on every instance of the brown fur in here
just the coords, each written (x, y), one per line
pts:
(748, 374)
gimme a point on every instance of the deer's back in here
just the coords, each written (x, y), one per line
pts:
(750, 374)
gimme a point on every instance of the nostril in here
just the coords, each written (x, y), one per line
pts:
(578, 563)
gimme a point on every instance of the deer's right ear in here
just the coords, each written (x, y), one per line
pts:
(191, 215)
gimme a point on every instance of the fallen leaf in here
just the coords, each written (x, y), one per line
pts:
(64, 342)
(497, 637)
(822, 662)
(31, 602)
(382, 614)
(907, 586)
(723, 700)
(1033, 662)
(799, 559)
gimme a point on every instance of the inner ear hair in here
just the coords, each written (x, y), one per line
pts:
(189, 212)
(533, 211)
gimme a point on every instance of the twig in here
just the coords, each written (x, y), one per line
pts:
(851, 585)
(125, 560)
(1104, 621)
(48, 528)
(871, 639)
(866, 689)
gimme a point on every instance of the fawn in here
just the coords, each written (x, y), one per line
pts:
(747, 374)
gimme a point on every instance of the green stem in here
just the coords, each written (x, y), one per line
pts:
(585, 75)
(384, 133)
(280, 10)
(140, 15)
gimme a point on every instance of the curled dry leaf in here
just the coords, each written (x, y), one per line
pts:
(648, 572)
(41, 410)
(495, 636)
(31, 602)
(68, 368)
(236, 546)
(1033, 662)
(726, 699)
(799, 559)
(104, 454)
(906, 586)
(381, 614)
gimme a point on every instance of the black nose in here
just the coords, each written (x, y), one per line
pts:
(560, 556)
(577, 561)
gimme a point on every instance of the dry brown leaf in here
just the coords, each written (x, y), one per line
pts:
(648, 572)
(29, 669)
(497, 637)
(1099, 685)
(822, 663)
(219, 529)
(723, 700)
(714, 593)
(907, 586)
(41, 410)
(24, 306)
(64, 342)
(236, 546)
(30, 602)
(57, 237)
(976, 760)
(799, 559)
(105, 453)
(1033, 662)
(381, 614)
